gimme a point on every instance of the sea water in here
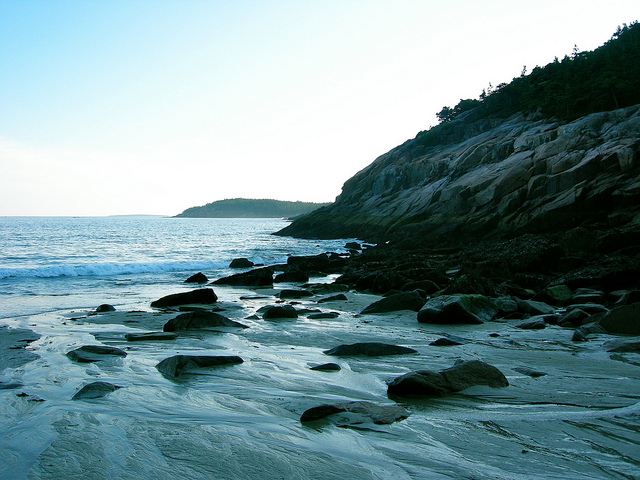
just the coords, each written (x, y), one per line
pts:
(54, 263)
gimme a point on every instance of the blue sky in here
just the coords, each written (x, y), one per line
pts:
(126, 107)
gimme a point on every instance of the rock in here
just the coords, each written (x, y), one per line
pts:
(589, 308)
(580, 335)
(292, 276)
(241, 263)
(202, 296)
(426, 286)
(371, 349)
(448, 342)
(179, 364)
(95, 390)
(396, 302)
(259, 277)
(534, 308)
(378, 414)
(279, 311)
(105, 307)
(353, 246)
(150, 336)
(453, 309)
(199, 320)
(534, 323)
(326, 288)
(588, 295)
(506, 306)
(454, 379)
(197, 278)
(628, 298)
(13, 351)
(479, 178)
(574, 317)
(94, 353)
(623, 346)
(292, 294)
(529, 372)
(323, 315)
(623, 320)
(555, 295)
(327, 367)
(309, 262)
(333, 298)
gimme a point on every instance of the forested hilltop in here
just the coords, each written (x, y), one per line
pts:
(605, 79)
(554, 150)
(250, 208)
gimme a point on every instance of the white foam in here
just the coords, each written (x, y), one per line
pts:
(107, 269)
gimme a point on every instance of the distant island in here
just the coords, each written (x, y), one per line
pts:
(251, 208)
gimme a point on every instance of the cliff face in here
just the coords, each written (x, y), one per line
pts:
(493, 179)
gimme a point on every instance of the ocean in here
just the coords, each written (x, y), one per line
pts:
(55, 263)
(579, 419)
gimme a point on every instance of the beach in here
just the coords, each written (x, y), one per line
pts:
(243, 421)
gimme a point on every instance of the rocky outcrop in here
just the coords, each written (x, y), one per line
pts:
(498, 178)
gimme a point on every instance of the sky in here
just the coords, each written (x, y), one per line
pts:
(154, 106)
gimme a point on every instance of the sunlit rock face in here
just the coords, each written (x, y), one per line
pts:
(492, 178)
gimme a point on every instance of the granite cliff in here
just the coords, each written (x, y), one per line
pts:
(493, 178)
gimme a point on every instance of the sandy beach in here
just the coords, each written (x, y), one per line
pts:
(578, 418)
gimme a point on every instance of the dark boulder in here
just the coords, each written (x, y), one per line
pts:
(149, 336)
(333, 298)
(623, 320)
(534, 308)
(279, 311)
(448, 342)
(557, 295)
(241, 263)
(371, 349)
(309, 262)
(327, 367)
(399, 301)
(199, 320)
(294, 294)
(581, 333)
(378, 414)
(292, 276)
(453, 309)
(529, 372)
(623, 346)
(95, 390)
(259, 277)
(323, 315)
(201, 296)
(573, 317)
(533, 323)
(454, 379)
(197, 278)
(426, 286)
(179, 364)
(353, 246)
(94, 353)
(105, 307)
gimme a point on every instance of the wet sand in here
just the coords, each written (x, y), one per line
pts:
(581, 419)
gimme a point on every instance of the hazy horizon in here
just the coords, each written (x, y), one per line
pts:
(118, 107)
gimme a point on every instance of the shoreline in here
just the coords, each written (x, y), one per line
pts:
(257, 406)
